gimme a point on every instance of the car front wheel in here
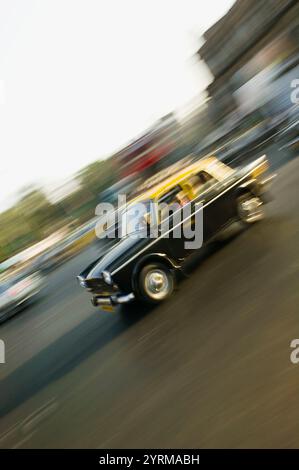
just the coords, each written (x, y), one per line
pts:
(250, 208)
(156, 283)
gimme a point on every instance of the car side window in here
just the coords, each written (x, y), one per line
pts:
(170, 196)
(171, 201)
(201, 182)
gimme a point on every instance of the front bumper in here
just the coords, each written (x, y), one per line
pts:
(98, 300)
(104, 294)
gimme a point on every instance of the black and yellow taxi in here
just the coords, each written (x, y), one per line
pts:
(143, 264)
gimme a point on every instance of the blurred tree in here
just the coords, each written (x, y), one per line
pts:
(97, 176)
(28, 221)
(38, 211)
(33, 217)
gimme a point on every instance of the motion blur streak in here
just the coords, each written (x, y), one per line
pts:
(223, 359)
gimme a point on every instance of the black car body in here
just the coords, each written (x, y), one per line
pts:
(145, 267)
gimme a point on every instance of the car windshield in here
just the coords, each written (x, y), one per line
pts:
(135, 216)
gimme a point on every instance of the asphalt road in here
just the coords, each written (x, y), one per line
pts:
(210, 368)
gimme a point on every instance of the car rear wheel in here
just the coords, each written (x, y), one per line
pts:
(250, 208)
(156, 283)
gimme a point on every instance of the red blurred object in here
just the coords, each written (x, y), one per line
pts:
(149, 149)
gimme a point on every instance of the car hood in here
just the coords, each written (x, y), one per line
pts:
(113, 258)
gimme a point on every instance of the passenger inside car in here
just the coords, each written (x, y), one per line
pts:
(182, 198)
(201, 182)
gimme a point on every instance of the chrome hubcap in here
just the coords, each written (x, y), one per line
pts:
(251, 210)
(156, 284)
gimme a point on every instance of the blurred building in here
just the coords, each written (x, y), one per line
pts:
(195, 126)
(151, 151)
(249, 52)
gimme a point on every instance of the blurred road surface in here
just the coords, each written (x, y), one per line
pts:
(210, 368)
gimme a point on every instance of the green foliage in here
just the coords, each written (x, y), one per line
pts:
(97, 176)
(34, 217)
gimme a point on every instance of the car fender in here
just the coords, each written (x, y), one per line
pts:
(153, 257)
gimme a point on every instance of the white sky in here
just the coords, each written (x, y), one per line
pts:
(79, 78)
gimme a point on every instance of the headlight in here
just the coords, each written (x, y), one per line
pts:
(81, 281)
(107, 278)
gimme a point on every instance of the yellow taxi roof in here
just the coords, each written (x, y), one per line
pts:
(217, 169)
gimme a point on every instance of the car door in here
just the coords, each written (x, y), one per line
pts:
(214, 197)
(173, 207)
